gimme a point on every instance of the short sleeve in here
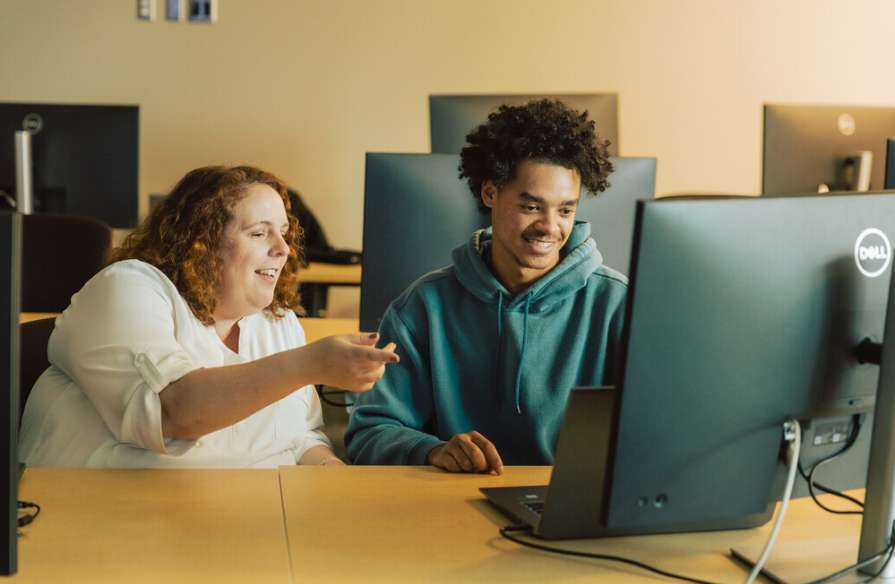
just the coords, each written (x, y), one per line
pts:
(117, 342)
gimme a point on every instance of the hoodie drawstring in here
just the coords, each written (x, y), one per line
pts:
(499, 335)
(518, 389)
(499, 316)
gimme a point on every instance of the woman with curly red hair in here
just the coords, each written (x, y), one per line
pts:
(185, 351)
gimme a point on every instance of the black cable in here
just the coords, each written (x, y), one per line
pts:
(324, 397)
(26, 519)
(505, 532)
(831, 491)
(812, 484)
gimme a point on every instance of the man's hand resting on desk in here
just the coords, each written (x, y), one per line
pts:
(467, 452)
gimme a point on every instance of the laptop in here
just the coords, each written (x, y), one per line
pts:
(576, 502)
(572, 504)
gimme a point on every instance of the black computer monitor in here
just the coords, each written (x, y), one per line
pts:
(452, 117)
(890, 164)
(742, 313)
(417, 210)
(806, 146)
(84, 157)
(10, 258)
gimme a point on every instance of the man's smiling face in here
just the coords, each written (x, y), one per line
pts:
(532, 217)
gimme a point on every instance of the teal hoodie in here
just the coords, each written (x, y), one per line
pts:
(474, 357)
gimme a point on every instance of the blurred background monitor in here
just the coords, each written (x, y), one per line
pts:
(890, 164)
(452, 117)
(417, 210)
(840, 147)
(10, 263)
(84, 158)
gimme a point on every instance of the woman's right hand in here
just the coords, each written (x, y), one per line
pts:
(352, 361)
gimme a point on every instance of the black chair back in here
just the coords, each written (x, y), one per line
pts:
(59, 254)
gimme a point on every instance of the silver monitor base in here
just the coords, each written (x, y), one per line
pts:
(806, 560)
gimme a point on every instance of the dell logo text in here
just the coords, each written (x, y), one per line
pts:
(873, 252)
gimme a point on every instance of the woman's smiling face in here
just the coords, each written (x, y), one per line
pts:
(253, 252)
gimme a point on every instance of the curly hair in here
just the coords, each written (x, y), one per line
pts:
(183, 236)
(544, 130)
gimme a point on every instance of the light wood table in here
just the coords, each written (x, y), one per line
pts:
(29, 316)
(135, 526)
(340, 524)
(406, 524)
(316, 279)
(317, 328)
(334, 274)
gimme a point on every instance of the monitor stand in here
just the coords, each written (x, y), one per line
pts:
(878, 520)
(795, 561)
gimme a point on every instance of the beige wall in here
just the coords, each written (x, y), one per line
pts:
(305, 87)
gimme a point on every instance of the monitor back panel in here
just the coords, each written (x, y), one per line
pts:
(804, 143)
(417, 210)
(10, 245)
(452, 117)
(741, 313)
(85, 158)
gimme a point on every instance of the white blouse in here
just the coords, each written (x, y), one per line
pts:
(127, 334)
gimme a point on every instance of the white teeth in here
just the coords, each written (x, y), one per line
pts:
(269, 272)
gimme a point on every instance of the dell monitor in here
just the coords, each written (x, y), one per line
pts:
(742, 313)
(890, 164)
(83, 159)
(417, 211)
(10, 245)
(452, 117)
(820, 148)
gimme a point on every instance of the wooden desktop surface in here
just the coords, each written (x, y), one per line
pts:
(342, 524)
(413, 524)
(406, 524)
(335, 274)
(153, 526)
(29, 316)
(315, 328)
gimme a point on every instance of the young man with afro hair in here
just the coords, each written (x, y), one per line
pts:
(492, 344)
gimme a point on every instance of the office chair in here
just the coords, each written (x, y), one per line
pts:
(33, 361)
(59, 254)
(316, 249)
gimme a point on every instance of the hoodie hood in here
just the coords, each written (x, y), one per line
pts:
(578, 260)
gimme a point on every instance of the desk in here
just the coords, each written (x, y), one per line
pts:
(406, 524)
(335, 524)
(29, 316)
(320, 275)
(136, 526)
(314, 282)
(333, 274)
(315, 328)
